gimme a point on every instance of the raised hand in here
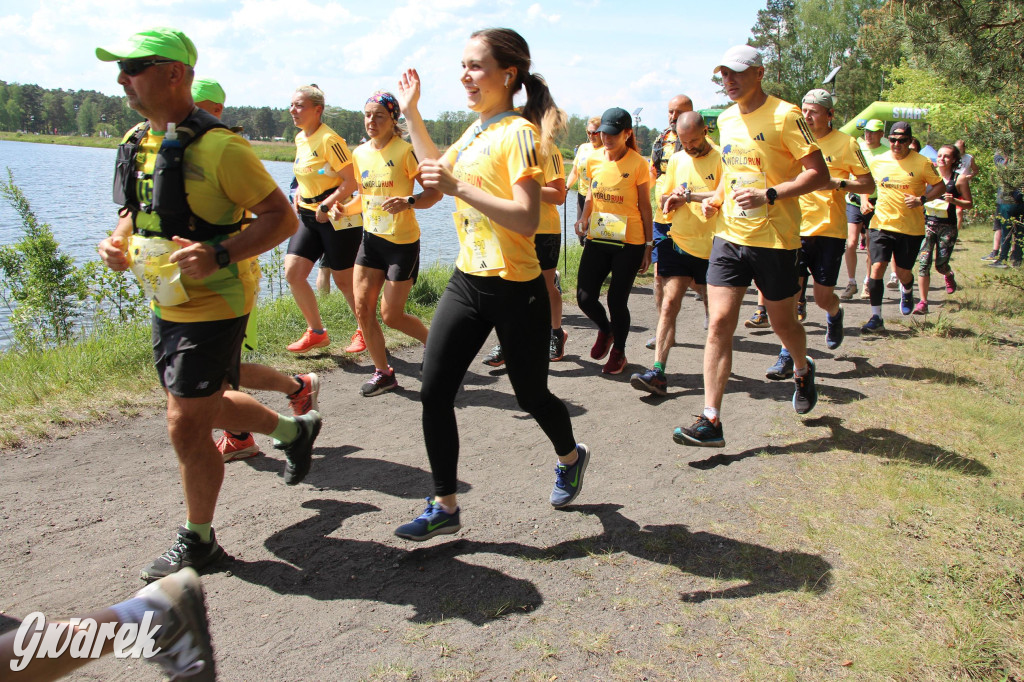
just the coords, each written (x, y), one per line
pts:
(408, 94)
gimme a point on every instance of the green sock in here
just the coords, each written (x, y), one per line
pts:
(287, 429)
(200, 529)
(660, 366)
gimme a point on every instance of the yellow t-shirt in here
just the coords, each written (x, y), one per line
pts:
(553, 168)
(614, 189)
(382, 173)
(762, 149)
(668, 151)
(579, 164)
(824, 211)
(494, 160)
(869, 155)
(324, 150)
(894, 179)
(223, 176)
(690, 231)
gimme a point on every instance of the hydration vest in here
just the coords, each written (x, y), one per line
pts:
(170, 201)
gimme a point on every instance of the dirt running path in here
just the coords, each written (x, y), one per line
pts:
(320, 589)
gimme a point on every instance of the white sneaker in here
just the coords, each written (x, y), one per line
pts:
(893, 283)
(849, 292)
(186, 650)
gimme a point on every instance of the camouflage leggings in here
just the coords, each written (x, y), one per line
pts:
(940, 238)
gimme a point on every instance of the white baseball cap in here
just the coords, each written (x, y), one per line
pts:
(739, 58)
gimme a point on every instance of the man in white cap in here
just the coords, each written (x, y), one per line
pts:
(769, 159)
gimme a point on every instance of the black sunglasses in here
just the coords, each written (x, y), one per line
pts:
(133, 67)
(899, 140)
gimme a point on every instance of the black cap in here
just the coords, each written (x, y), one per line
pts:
(901, 128)
(614, 121)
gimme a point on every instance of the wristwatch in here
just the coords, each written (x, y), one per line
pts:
(686, 195)
(842, 184)
(221, 255)
(411, 200)
(324, 208)
(771, 195)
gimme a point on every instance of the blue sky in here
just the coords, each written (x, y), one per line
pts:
(595, 54)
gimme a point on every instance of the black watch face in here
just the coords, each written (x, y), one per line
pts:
(223, 257)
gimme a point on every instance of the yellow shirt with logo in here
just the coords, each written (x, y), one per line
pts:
(223, 176)
(579, 164)
(668, 150)
(614, 188)
(894, 179)
(324, 150)
(690, 231)
(388, 172)
(494, 160)
(554, 168)
(824, 211)
(762, 149)
(869, 155)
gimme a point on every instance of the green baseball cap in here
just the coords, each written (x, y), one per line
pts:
(163, 42)
(207, 89)
(874, 125)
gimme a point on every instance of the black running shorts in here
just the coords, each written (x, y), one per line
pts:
(773, 270)
(194, 359)
(548, 246)
(313, 240)
(821, 258)
(884, 246)
(400, 262)
(675, 262)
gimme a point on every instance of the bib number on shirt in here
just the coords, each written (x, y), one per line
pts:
(347, 222)
(607, 227)
(737, 181)
(375, 218)
(937, 208)
(159, 278)
(479, 248)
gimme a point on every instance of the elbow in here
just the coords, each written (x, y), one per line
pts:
(821, 178)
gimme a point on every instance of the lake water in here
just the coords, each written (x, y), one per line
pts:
(70, 188)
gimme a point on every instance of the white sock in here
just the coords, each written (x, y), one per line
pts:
(711, 413)
(133, 610)
(876, 310)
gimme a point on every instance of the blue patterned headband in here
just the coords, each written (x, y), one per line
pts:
(388, 101)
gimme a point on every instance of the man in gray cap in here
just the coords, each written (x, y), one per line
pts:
(769, 159)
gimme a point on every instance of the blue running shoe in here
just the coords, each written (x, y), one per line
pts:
(873, 326)
(834, 331)
(652, 381)
(782, 369)
(702, 432)
(433, 521)
(569, 478)
(907, 302)
(805, 394)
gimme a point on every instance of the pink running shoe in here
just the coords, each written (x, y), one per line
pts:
(950, 283)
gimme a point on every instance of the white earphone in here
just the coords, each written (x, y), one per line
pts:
(507, 76)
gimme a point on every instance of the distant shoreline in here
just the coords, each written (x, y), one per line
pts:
(267, 151)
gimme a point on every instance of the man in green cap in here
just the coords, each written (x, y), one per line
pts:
(193, 260)
(208, 95)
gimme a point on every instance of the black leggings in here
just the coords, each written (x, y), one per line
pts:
(623, 262)
(469, 309)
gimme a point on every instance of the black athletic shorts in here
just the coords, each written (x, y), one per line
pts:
(660, 234)
(822, 258)
(675, 262)
(313, 240)
(884, 246)
(773, 270)
(194, 359)
(853, 215)
(548, 247)
(400, 262)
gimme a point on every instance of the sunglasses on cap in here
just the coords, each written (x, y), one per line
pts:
(133, 67)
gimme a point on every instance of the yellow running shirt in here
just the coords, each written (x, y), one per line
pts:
(579, 164)
(554, 168)
(824, 211)
(324, 150)
(895, 179)
(223, 176)
(668, 150)
(690, 231)
(760, 150)
(388, 172)
(494, 160)
(614, 189)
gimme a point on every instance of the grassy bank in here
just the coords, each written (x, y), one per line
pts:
(268, 151)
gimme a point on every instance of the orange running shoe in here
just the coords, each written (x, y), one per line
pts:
(309, 341)
(232, 448)
(305, 399)
(358, 344)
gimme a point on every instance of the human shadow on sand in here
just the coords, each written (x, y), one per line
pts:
(316, 563)
(763, 570)
(862, 367)
(875, 441)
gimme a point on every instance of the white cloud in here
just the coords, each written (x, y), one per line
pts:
(535, 11)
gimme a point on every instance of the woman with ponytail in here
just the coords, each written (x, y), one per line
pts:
(494, 173)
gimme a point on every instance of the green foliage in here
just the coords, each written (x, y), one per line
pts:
(115, 297)
(38, 110)
(40, 286)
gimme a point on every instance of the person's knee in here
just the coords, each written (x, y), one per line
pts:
(391, 315)
(670, 305)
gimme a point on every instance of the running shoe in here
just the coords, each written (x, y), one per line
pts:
(873, 326)
(893, 282)
(184, 648)
(188, 551)
(992, 256)
(496, 358)
(805, 393)
(921, 308)
(652, 343)
(569, 478)
(380, 382)
(652, 381)
(433, 521)
(849, 292)
(616, 362)
(862, 245)
(299, 453)
(601, 346)
(950, 283)
(834, 332)
(309, 341)
(556, 349)
(232, 448)
(997, 264)
(801, 311)
(782, 369)
(702, 432)
(865, 294)
(759, 320)
(357, 344)
(907, 302)
(305, 399)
